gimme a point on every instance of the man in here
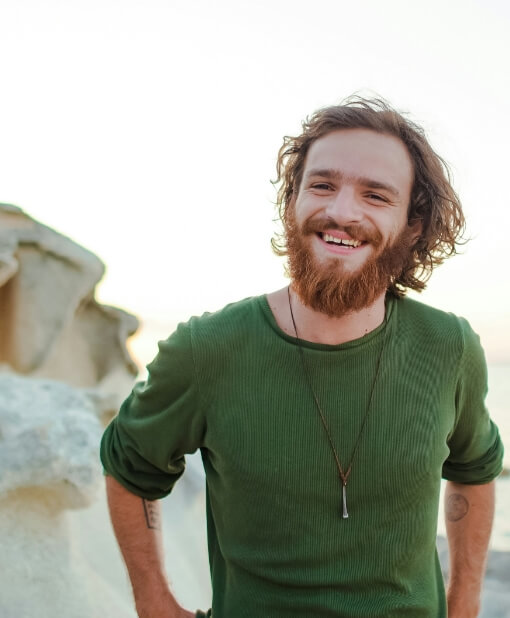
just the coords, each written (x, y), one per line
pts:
(326, 412)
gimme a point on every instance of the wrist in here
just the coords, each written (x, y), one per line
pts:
(153, 598)
(162, 604)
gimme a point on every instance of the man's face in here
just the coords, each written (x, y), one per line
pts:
(347, 230)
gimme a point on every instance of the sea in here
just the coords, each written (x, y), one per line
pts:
(144, 348)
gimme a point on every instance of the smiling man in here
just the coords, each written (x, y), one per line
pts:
(327, 412)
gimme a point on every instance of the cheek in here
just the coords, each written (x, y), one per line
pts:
(308, 206)
(394, 226)
(301, 210)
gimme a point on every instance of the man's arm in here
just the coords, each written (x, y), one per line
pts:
(469, 511)
(137, 526)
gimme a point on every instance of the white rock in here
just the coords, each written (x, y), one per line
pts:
(73, 370)
(42, 570)
(50, 324)
(49, 437)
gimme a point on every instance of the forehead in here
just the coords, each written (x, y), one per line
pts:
(363, 153)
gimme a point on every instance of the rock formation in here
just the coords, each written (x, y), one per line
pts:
(64, 369)
(49, 435)
(51, 326)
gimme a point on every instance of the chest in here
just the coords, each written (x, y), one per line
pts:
(390, 425)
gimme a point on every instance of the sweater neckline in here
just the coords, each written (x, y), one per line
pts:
(367, 339)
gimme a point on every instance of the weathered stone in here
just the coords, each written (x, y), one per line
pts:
(49, 436)
(64, 369)
(51, 326)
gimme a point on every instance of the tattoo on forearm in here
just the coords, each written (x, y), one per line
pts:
(151, 513)
(457, 507)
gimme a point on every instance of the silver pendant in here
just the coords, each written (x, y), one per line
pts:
(345, 514)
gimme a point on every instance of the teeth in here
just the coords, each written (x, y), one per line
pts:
(341, 241)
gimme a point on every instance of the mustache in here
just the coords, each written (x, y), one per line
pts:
(355, 230)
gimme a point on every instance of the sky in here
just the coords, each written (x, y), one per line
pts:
(147, 131)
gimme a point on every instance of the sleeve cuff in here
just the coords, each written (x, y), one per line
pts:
(478, 472)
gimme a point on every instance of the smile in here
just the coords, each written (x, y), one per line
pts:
(340, 242)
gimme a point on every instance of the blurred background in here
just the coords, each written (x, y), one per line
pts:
(148, 132)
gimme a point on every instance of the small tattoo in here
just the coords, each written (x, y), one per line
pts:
(151, 512)
(456, 507)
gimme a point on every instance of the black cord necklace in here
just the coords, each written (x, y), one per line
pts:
(344, 476)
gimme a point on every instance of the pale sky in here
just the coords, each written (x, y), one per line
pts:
(147, 131)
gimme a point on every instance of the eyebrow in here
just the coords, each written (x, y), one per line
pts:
(372, 183)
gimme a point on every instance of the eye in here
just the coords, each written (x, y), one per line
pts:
(321, 186)
(376, 196)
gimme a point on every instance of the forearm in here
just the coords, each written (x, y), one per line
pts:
(469, 512)
(137, 526)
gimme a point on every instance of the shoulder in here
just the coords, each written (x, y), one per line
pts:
(209, 331)
(435, 327)
(227, 328)
(230, 317)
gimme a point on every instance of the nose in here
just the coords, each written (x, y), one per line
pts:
(344, 208)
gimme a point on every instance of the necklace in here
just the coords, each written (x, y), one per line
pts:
(344, 476)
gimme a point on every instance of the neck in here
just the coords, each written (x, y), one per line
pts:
(320, 328)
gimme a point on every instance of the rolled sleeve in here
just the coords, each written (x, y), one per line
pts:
(144, 446)
(476, 449)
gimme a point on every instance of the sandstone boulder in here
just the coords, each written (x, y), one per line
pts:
(64, 369)
(49, 436)
(51, 326)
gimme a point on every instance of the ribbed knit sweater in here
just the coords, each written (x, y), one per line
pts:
(232, 384)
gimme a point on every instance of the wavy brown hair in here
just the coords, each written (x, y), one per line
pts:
(433, 199)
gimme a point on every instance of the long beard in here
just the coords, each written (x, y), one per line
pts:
(326, 286)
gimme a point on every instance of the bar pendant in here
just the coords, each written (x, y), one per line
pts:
(345, 514)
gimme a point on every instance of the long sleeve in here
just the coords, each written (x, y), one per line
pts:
(476, 450)
(161, 420)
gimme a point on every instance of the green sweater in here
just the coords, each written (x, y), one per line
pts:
(232, 384)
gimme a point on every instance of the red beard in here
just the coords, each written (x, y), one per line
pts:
(326, 286)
